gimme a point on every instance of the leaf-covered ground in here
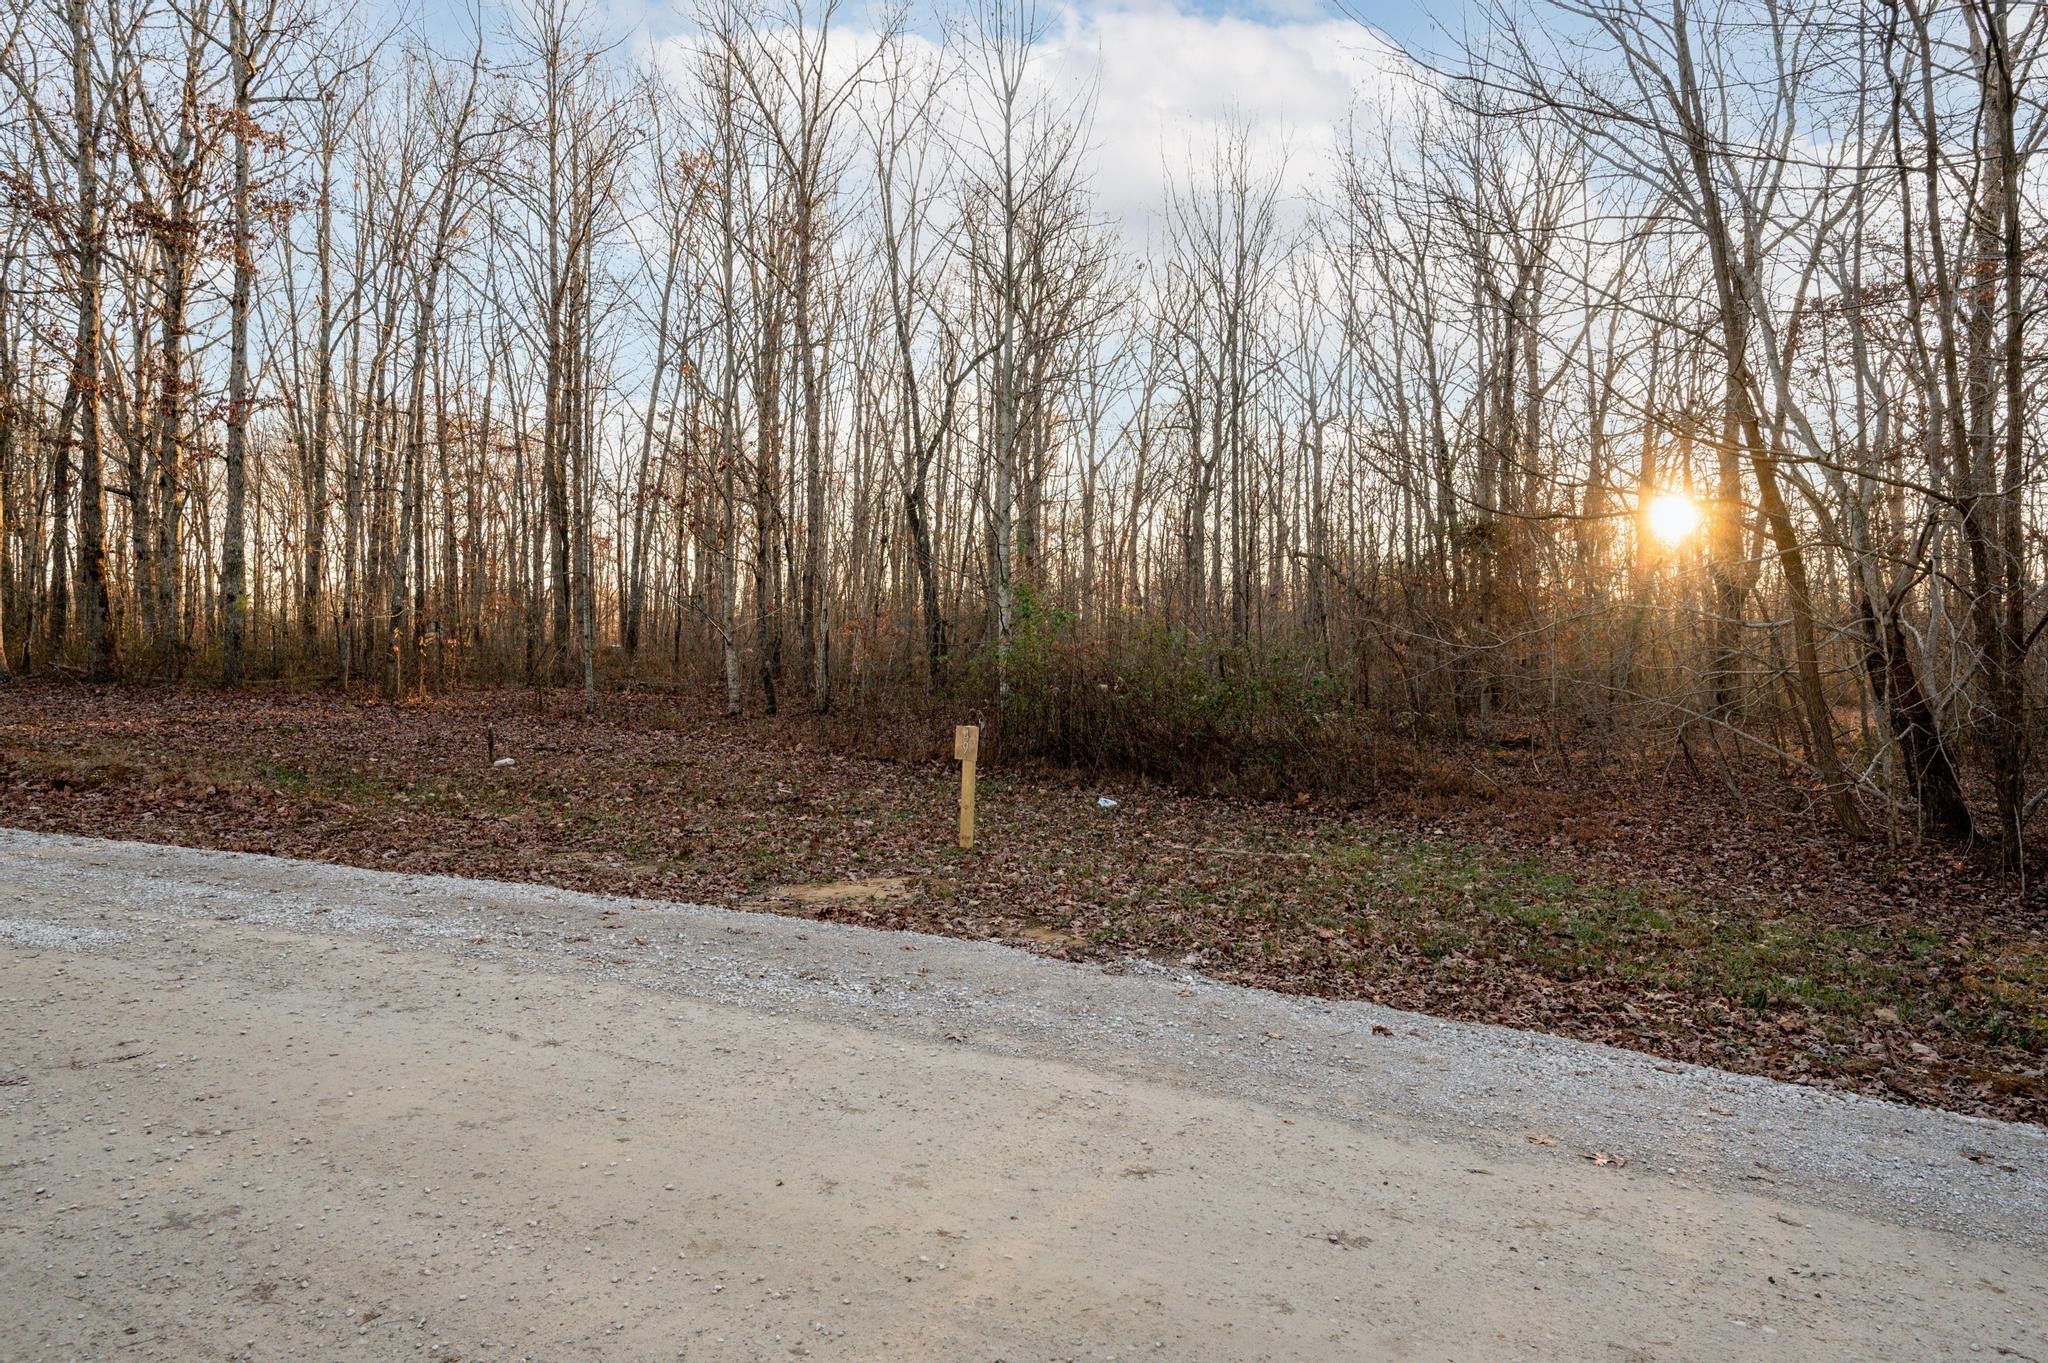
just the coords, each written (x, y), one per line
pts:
(1639, 908)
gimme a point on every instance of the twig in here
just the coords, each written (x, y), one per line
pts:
(110, 1060)
(1234, 851)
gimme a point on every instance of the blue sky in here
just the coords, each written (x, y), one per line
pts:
(1405, 21)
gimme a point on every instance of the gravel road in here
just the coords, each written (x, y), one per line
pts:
(258, 1109)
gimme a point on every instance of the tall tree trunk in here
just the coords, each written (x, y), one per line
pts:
(95, 607)
(316, 455)
(234, 545)
(1733, 289)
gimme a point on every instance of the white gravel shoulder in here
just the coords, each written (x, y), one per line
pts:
(1391, 1072)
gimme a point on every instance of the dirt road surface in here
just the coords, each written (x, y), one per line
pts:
(269, 1110)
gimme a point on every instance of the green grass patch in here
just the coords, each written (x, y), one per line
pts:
(1443, 899)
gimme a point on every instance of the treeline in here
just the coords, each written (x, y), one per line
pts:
(799, 359)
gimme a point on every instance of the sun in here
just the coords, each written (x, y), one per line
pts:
(1673, 516)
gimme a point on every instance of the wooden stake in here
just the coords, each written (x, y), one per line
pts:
(966, 748)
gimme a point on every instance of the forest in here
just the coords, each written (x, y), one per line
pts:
(1636, 378)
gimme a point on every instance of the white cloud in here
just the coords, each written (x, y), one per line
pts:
(1171, 82)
